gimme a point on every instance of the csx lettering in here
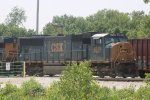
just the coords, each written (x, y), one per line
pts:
(57, 47)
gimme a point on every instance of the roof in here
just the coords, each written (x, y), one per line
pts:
(97, 36)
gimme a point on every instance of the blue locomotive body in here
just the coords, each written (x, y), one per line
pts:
(49, 54)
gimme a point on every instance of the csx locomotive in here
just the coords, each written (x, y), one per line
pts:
(109, 54)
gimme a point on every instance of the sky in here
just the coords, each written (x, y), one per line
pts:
(82, 8)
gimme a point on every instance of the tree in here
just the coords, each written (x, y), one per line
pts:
(30, 32)
(65, 24)
(6, 30)
(138, 26)
(146, 1)
(134, 25)
(14, 23)
(2, 29)
(16, 17)
(111, 21)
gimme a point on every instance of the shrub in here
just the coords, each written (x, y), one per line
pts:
(100, 93)
(143, 93)
(75, 83)
(124, 94)
(10, 92)
(32, 88)
(54, 93)
(147, 79)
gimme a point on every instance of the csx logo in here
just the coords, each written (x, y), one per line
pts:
(57, 47)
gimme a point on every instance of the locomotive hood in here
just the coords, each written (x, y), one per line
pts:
(122, 51)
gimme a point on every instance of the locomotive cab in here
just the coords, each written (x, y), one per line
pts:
(114, 55)
(102, 45)
(97, 47)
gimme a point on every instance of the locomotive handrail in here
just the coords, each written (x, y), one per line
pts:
(116, 59)
(55, 56)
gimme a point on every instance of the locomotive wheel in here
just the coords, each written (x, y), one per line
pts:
(113, 76)
(41, 74)
(124, 76)
(133, 75)
(142, 74)
(51, 75)
(101, 75)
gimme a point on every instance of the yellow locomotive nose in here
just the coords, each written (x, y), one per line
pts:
(122, 52)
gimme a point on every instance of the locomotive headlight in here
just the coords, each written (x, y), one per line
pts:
(134, 59)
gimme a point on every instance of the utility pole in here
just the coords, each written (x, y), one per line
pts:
(37, 18)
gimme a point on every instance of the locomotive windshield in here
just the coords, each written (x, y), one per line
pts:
(108, 38)
(114, 39)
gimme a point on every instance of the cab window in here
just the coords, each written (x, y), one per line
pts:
(109, 40)
(98, 41)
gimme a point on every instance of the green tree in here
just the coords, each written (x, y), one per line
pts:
(134, 25)
(14, 24)
(6, 30)
(49, 29)
(146, 1)
(66, 25)
(30, 32)
(111, 21)
(3, 29)
(16, 17)
(135, 29)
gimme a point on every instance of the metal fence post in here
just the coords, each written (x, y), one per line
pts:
(24, 69)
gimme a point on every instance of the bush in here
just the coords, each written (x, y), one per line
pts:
(10, 92)
(100, 93)
(32, 88)
(54, 93)
(147, 79)
(124, 94)
(143, 93)
(75, 83)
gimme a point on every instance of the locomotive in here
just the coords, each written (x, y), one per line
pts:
(109, 54)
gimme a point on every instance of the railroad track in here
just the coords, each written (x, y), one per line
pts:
(122, 79)
(118, 79)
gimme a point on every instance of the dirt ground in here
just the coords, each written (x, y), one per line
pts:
(46, 81)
